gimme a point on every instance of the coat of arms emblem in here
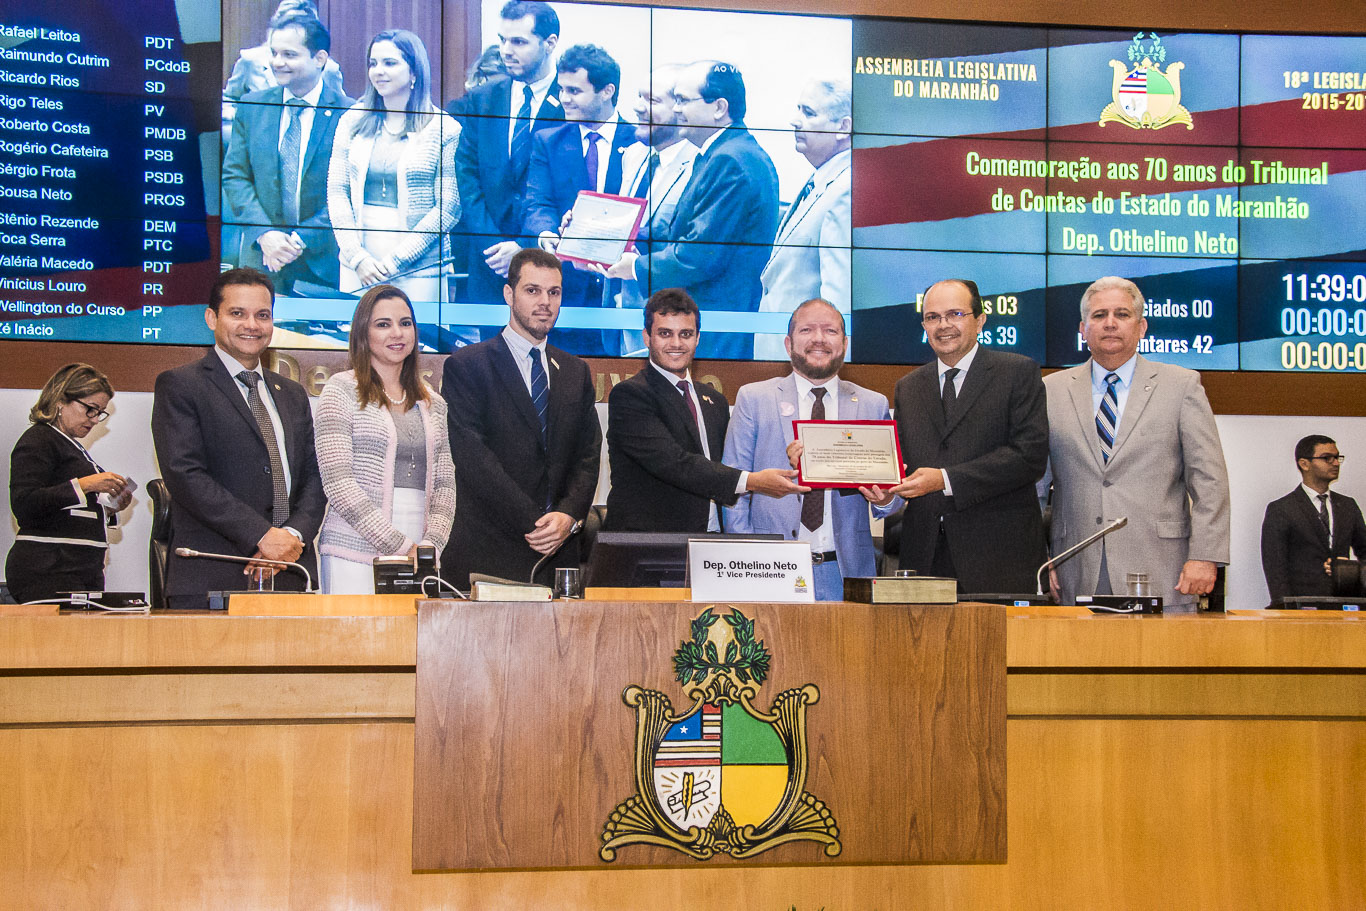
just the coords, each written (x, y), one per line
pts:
(1145, 97)
(722, 777)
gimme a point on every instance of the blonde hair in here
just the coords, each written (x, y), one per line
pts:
(74, 381)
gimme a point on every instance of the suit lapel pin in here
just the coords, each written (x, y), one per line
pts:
(707, 399)
(786, 409)
(554, 363)
(853, 398)
(277, 387)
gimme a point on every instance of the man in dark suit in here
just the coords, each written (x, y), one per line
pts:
(1309, 526)
(524, 437)
(582, 154)
(722, 231)
(235, 446)
(973, 428)
(666, 433)
(501, 117)
(275, 169)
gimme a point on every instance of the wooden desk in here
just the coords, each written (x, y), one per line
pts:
(197, 761)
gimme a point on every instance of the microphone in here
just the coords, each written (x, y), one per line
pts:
(1076, 549)
(233, 558)
(531, 579)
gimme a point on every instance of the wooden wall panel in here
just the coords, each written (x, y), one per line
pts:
(905, 743)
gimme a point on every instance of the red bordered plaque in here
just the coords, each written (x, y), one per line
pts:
(601, 229)
(848, 453)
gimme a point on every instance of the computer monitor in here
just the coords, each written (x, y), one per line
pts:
(649, 559)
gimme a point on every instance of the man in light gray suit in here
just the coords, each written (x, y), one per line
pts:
(811, 256)
(1131, 437)
(760, 436)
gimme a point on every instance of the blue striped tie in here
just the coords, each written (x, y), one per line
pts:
(1107, 416)
(540, 390)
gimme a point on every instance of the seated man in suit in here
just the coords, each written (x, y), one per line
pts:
(500, 118)
(275, 169)
(582, 154)
(235, 445)
(1307, 527)
(665, 434)
(811, 255)
(524, 438)
(760, 436)
(722, 231)
(973, 428)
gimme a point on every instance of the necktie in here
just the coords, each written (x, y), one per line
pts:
(647, 177)
(950, 393)
(692, 408)
(540, 391)
(1107, 416)
(279, 510)
(291, 147)
(1323, 516)
(813, 503)
(801, 197)
(520, 149)
(591, 159)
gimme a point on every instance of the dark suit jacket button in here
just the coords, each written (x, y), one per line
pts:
(1098, 520)
(1107, 483)
(266, 469)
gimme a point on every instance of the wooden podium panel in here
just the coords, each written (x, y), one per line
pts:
(524, 746)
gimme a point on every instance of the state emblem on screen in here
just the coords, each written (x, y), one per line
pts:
(1145, 97)
(722, 776)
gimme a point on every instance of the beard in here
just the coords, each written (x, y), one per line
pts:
(812, 372)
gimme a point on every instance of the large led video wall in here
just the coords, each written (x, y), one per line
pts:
(146, 144)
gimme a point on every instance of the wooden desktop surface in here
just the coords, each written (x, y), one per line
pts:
(208, 761)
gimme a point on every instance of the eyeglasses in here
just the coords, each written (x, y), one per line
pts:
(93, 411)
(948, 316)
(1329, 457)
(684, 100)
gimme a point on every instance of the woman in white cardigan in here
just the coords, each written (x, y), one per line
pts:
(383, 449)
(391, 186)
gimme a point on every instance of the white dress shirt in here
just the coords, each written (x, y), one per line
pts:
(310, 101)
(1125, 372)
(963, 364)
(521, 355)
(234, 367)
(713, 517)
(539, 89)
(1313, 496)
(604, 144)
(822, 540)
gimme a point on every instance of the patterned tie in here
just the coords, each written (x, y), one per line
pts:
(813, 503)
(1323, 516)
(279, 510)
(520, 149)
(801, 197)
(1107, 416)
(591, 159)
(291, 147)
(540, 391)
(950, 393)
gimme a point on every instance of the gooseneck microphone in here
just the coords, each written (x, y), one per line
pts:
(1076, 549)
(233, 558)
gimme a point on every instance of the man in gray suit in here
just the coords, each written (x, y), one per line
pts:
(811, 256)
(1130, 437)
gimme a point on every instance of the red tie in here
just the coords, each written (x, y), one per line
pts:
(692, 409)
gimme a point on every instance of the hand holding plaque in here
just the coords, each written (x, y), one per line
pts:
(848, 453)
(601, 228)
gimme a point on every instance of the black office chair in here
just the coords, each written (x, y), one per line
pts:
(159, 548)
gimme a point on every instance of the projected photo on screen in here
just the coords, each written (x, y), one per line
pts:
(754, 159)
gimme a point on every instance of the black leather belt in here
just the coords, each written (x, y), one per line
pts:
(817, 559)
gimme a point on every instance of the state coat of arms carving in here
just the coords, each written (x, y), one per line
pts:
(722, 776)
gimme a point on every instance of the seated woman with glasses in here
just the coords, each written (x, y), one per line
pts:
(61, 498)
